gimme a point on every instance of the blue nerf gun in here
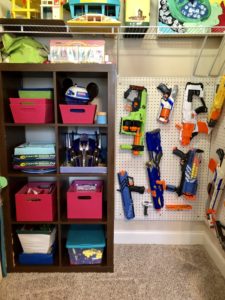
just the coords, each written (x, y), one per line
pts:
(126, 187)
(190, 163)
(153, 141)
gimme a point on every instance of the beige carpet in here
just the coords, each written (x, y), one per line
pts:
(141, 272)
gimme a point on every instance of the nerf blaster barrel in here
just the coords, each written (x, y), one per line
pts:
(126, 188)
(134, 124)
(167, 102)
(190, 126)
(220, 229)
(215, 187)
(190, 163)
(153, 141)
(217, 104)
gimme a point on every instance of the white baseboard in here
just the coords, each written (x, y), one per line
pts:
(215, 251)
(171, 233)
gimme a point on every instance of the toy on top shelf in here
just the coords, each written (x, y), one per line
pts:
(94, 14)
(52, 9)
(110, 8)
(167, 102)
(28, 8)
(190, 126)
(134, 124)
(196, 16)
(137, 17)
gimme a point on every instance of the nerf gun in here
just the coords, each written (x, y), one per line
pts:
(219, 232)
(190, 162)
(153, 141)
(167, 102)
(216, 187)
(190, 126)
(217, 104)
(126, 187)
(134, 124)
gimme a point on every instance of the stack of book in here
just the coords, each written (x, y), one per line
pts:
(35, 158)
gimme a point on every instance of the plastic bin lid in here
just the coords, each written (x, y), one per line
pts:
(85, 236)
(36, 89)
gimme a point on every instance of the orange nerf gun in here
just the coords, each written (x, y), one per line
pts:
(190, 126)
(217, 104)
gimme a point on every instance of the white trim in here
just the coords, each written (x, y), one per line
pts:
(215, 251)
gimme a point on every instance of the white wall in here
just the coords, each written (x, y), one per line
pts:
(4, 6)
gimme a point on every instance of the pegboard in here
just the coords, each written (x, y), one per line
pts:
(170, 164)
(218, 141)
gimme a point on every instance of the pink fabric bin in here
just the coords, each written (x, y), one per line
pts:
(32, 111)
(84, 204)
(78, 114)
(31, 207)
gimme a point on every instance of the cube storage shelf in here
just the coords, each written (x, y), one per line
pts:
(12, 78)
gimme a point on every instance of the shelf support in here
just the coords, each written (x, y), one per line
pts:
(199, 55)
(215, 59)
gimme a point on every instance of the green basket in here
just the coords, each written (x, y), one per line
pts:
(36, 93)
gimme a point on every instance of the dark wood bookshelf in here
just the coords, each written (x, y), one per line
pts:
(11, 135)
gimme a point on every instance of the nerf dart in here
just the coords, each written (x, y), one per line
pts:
(190, 163)
(219, 232)
(178, 207)
(153, 141)
(134, 124)
(215, 187)
(126, 188)
(217, 104)
(190, 126)
(167, 102)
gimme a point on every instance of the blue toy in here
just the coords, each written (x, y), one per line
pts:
(110, 8)
(126, 187)
(153, 141)
(189, 167)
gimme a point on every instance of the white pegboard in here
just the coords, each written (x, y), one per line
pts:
(170, 164)
(218, 141)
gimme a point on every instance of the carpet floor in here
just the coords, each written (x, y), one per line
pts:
(141, 272)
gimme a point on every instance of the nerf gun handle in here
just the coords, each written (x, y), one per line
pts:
(179, 153)
(137, 189)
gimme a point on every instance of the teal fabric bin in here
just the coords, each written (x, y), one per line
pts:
(85, 244)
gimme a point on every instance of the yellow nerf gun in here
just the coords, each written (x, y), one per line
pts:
(217, 104)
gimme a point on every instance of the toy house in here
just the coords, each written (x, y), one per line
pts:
(110, 8)
(52, 9)
(25, 8)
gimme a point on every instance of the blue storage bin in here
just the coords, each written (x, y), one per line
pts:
(85, 244)
(37, 258)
